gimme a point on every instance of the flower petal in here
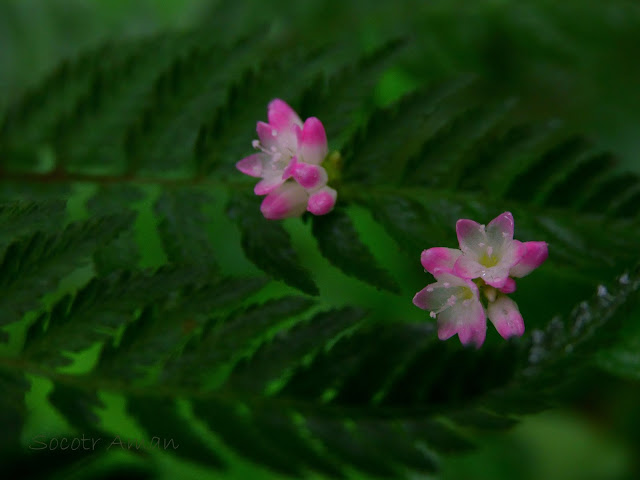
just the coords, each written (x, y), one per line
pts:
(272, 179)
(467, 267)
(500, 231)
(446, 330)
(467, 319)
(533, 255)
(281, 116)
(438, 295)
(439, 258)
(509, 286)
(289, 169)
(511, 254)
(309, 176)
(506, 317)
(251, 165)
(472, 237)
(496, 276)
(322, 201)
(268, 136)
(313, 142)
(289, 200)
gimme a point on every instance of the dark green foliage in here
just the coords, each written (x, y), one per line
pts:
(13, 408)
(33, 266)
(34, 464)
(147, 411)
(79, 406)
(377, 154)
(339, 243)
(124, 157)
(20, 219)
(269, 361)
(226, 340)
(123, 252)
(268, 245)
(180, 228)
(337, 101)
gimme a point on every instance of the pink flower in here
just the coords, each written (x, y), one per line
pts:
(472, 282)
(289, 164)
(454, 301)
(488, 253)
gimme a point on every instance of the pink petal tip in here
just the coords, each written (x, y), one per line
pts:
(438, 259)
(251, 165)
(286, 201)
(506, 317)
(281, 116)
(533, 255)
(313, 141)
(322, 201)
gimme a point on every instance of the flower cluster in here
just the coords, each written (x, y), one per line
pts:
(289, 164)
(473, 282)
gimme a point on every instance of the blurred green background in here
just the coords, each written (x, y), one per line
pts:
(575, 62)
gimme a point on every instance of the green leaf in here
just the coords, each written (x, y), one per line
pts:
(338, 241)
(173, 428)
(162, 329)
(183, 97)
(226, 340)
(409, 223)
(181, 227)
(20, 219)
(100, 308)
(378, 152)
(621, 357)
(237, 431)
(33, 266)
(339, 100)
(255, 373)
(79, 407)
(12, 407)
(123, 252)
(268, 245)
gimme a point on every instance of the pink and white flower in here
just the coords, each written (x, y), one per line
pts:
(488, 253)
(289, 164)
(454, 301)
(472, 282)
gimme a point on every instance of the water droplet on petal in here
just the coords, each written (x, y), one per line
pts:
(432, 314)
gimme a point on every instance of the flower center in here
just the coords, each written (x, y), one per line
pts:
(457, 295)
(488, 258)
